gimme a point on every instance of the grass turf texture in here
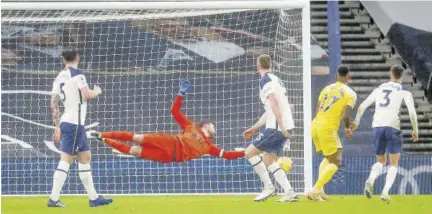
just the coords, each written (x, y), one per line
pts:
(220, 205)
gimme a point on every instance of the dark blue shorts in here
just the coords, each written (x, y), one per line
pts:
(387, 139)
(73, 138)
(270, 141)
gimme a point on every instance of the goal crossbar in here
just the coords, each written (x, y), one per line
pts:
(152, 5)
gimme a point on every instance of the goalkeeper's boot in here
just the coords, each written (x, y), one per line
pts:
(289, 197)
(97, 135)
(58, 203)
(386, 198)
(266, 193)
(368, 190)
(100, 201)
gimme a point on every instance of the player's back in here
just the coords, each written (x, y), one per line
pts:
(67, 85)
(333, 100)
(270, 83)
(388, 99)
(194, 142)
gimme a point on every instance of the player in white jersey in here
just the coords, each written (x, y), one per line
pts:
(278, 122)
(387, 137)
(71, 87)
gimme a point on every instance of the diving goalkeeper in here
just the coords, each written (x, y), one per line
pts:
(193, 142)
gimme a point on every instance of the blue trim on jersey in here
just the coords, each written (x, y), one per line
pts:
(74, 71)
(264, 80)
(404, 87)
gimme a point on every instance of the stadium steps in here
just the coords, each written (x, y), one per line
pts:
(370, 56)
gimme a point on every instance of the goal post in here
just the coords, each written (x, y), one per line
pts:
(137, 52)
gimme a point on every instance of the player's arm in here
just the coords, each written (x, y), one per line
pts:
(55, 100)
(261, 122)
(346, 115)
(362, 108)
(181, 119)
(277, 111)
(409, 102)
(250, 131)
(86, 92)
(229, 155)
(55, 110)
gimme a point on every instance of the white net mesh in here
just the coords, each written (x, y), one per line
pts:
(138, 57)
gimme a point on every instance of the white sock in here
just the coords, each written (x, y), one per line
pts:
(391, 175)
(84, 172)
(376, 169)
(60, 176)
(280, 177)
(261, 170)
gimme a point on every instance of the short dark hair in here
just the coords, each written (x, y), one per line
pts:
(264, 61)
(69, 54)
(202, 123)
(343, 70)
(397, 71)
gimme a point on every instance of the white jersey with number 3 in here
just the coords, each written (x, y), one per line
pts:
(388, 98)
(67, 85)
(271, 84)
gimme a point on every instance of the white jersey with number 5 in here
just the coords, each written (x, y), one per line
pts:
(271, 84)
(67, 85)
(388, 98)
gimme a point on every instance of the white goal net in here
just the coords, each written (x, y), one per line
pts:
(138, 57)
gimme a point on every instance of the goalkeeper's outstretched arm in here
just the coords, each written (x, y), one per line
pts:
(229, 155)
(181, 119)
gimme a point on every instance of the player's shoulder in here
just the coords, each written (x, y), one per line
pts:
(349, 91)
(74, 71)
(266, 79)
(328, 87)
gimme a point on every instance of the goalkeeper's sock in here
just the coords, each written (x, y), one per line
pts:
(86, 177)
(322, 166)
(326, 176)
(121, 147)
(280, 177)
(260, 169)
(60, 176)
(391, 175)
(119, 135)
(375, 171)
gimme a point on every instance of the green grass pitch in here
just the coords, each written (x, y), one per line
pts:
(221, 205)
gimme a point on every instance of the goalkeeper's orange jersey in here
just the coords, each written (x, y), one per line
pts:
(193, 142)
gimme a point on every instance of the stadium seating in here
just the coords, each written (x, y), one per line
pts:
(370, 55)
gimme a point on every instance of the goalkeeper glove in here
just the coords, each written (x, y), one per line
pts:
(184, 87)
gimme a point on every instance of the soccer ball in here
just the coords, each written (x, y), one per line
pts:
(285, 163)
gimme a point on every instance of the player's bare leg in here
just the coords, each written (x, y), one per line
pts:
(375, 171)
(391, 175)
(270, 160)
(252, 155)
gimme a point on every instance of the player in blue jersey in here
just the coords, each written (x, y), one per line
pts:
(387, 137)
(71, 87)
(279, 124)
